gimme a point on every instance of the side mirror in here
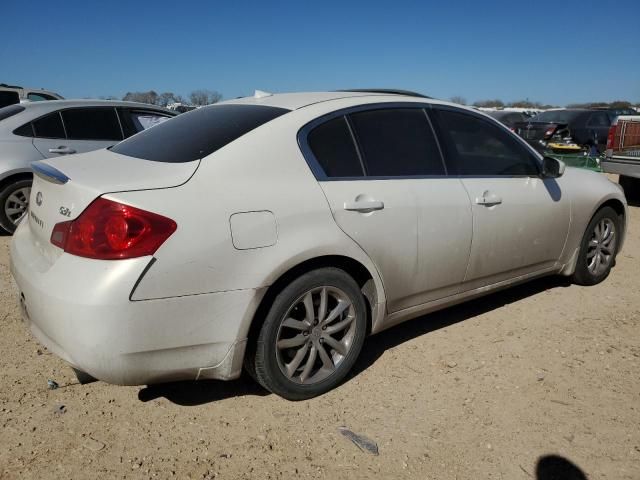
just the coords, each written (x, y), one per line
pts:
(552, 167)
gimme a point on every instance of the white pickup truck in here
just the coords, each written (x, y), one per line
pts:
(623, 153)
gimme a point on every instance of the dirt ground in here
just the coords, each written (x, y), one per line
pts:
(480, 391)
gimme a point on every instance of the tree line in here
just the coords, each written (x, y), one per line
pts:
(539, 105)
(196, 97)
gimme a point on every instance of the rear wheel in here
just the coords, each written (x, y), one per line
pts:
(599, 248)
(312, 335)
(14, 201)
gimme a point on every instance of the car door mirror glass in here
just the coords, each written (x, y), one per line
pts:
(552, 167)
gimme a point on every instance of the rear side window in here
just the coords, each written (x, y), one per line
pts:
(92, 124)
(474, 146)
(196, 134)
(600, 119)
(397, 142)
(333, 147)
(49, 126)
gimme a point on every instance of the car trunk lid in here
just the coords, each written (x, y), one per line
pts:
(64, 187)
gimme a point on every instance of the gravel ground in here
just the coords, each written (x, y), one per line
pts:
(485, 390)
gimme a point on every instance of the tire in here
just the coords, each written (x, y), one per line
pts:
(285, 362)
(13, 196)
(598, 248)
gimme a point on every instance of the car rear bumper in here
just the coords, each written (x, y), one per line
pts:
(80, 310)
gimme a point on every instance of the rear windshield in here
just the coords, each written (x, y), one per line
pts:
(10, 111)
(196, 134)
(556, 116)
(8, 97)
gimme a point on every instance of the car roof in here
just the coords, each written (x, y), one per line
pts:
(296, 100)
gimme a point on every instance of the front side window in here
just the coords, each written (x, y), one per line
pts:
(92, 124)
(333, 147)
(474, 146)
(397, 142)
(49, 126)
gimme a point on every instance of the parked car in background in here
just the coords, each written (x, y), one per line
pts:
(11, 94)
(583, 127)
(33, 131)
(508, 118)
(280, 231)
(623, 153)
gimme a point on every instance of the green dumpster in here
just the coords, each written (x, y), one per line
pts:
(590, 162)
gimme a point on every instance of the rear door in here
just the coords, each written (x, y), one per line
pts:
(76, 130)
(382, 173)
(520, 220)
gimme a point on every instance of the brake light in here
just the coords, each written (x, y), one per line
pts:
(549, 131)
(611, 136)
(109, 230)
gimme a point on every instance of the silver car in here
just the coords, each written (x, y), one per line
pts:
(279, 231)
(39, 130)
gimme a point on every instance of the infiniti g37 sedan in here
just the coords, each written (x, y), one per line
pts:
(35, 131)
(278, 231)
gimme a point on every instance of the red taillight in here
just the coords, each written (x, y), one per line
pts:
(109, 230)
(611, 136)
(549, 131)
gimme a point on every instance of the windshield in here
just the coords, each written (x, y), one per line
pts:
(556, 116)
(196, 134)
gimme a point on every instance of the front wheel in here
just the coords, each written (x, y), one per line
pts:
(312, 335)
(599, 248)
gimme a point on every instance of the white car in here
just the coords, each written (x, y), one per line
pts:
(279, 231)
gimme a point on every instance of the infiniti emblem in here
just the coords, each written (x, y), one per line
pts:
(39, 198)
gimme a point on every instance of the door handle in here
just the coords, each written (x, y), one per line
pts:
(363, 206)
(488, 199)
(62, 150)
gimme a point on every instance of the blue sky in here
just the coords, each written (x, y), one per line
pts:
(553, 52)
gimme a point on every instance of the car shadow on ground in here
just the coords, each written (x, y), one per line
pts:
(206, 391)
(376, 345)
(189, 394)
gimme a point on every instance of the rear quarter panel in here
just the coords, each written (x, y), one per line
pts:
(262, 171)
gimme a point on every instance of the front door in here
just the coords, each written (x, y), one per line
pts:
(520, 220)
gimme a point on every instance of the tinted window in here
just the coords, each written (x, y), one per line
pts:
(477, 147)
(10, 111)
(8, 98)
(397, 142)
(198, 133)
(333, 147)
(25, 130)
(38, 97)
(92, 124)
(49, 126)
(600, 119)
(557, 116)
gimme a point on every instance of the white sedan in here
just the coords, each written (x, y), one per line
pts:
(278, 231)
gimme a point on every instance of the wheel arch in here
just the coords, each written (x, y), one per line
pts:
(359, 272)
(15, 176)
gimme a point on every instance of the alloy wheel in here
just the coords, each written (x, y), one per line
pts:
(16, 204)
(601, 247)
(315, 335)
